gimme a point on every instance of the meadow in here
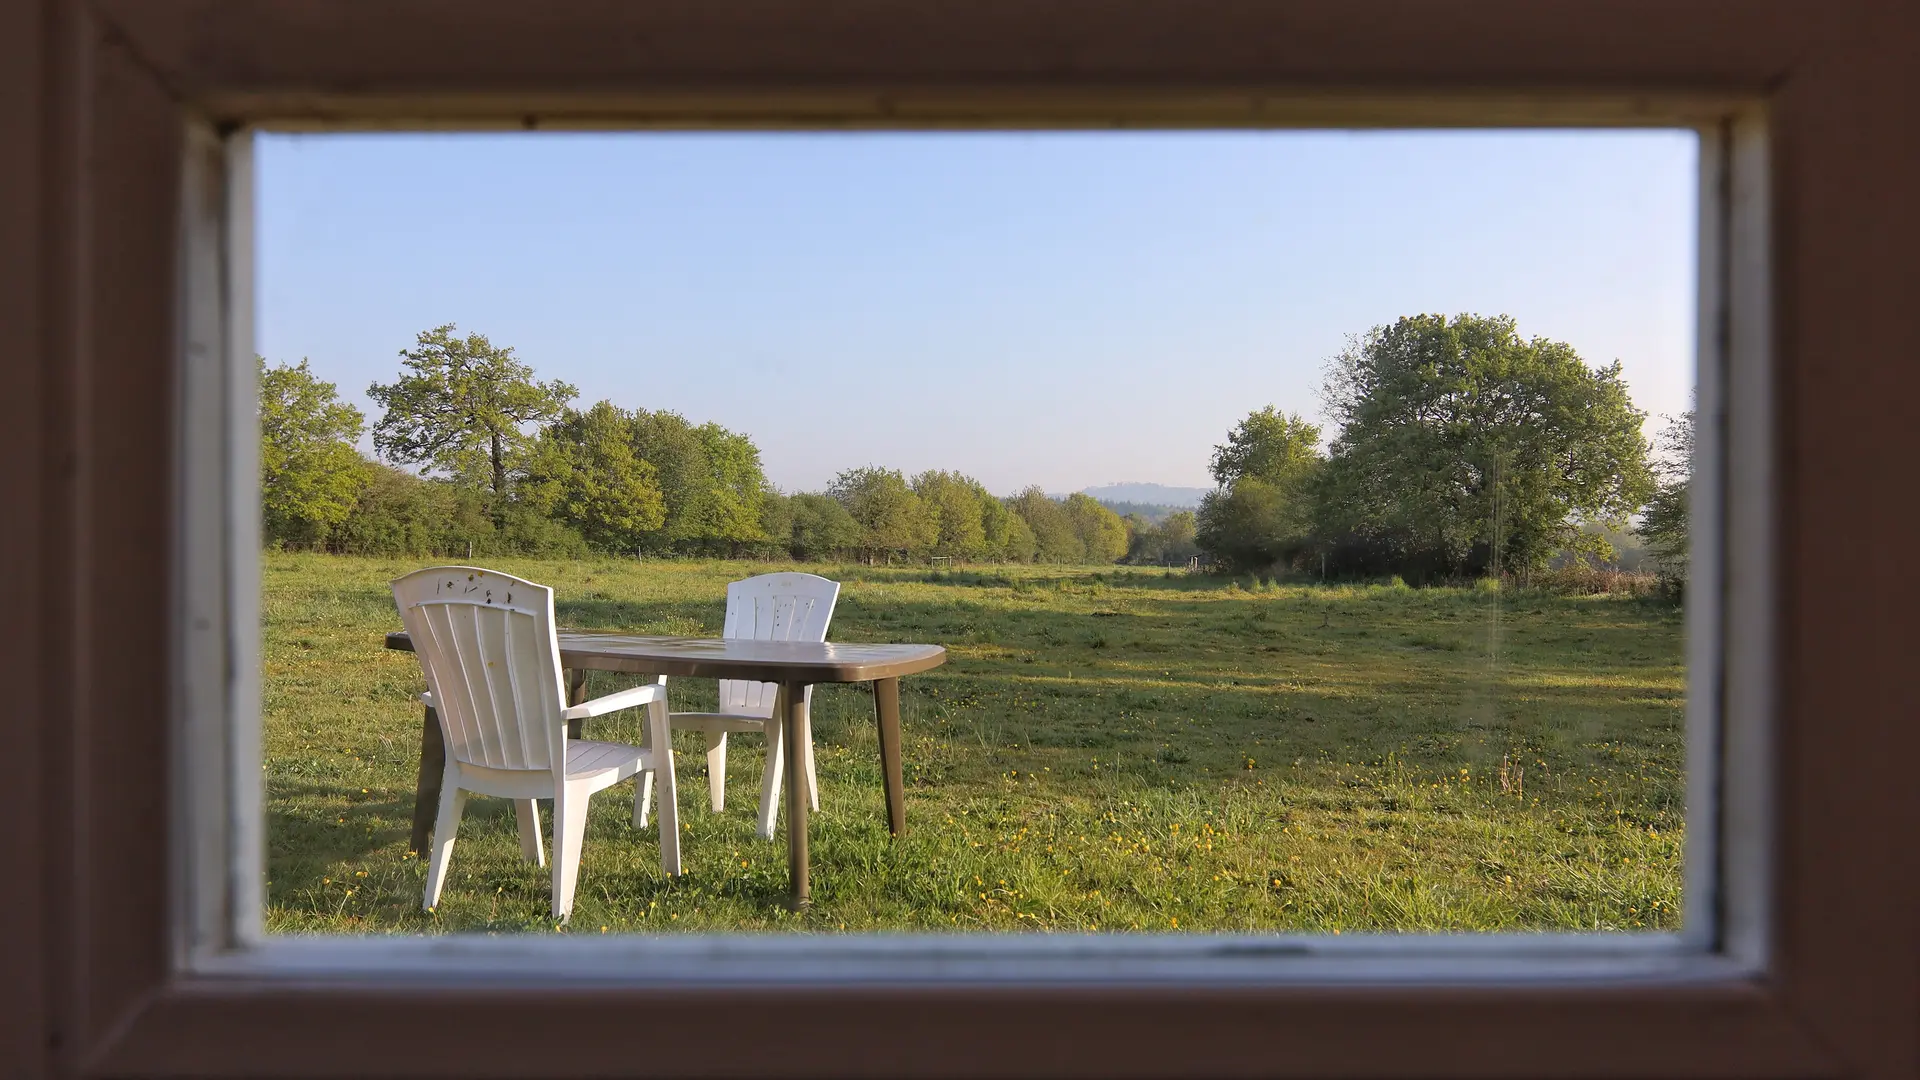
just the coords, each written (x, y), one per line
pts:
(1107, 748)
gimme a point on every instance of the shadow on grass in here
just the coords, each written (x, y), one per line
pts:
(343, 830)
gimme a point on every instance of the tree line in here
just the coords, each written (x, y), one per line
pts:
(506, 464)
(1461, 449)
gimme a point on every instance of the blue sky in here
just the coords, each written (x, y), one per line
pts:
(1061, 309)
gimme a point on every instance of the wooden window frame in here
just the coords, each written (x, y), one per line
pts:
(115, 123)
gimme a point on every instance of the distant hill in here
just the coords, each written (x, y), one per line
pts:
(1180, 498)
(1153, 512)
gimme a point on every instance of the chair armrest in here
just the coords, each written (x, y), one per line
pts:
(619, 699)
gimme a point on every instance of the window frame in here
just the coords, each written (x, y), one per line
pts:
(128, 113)
(219, 900)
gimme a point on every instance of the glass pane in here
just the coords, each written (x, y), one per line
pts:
(1302, 515)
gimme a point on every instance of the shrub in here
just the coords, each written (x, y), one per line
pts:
(1583, 579)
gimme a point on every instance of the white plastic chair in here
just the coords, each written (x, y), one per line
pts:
(771, 607)
(486, 641)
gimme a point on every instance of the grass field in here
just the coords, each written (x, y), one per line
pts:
(1106, 748)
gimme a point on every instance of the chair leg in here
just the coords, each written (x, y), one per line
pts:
(806, 760)
(717, 769)
(532, 849)
(770, 778)
(643, 784)
(453, 803)
(569, 829)
(662, 754)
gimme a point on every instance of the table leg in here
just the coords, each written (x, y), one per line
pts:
(576, 695)
(794, 708)
(426, 786)
(886, 709)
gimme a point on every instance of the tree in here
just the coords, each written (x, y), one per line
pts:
(398, 513)
(1261, 513)
(776, 525)
(666, 441)
(1255, 524)
(892, 518)
(1102, 535)
(1664, 523)
(311, 475)
(735, 486)
(822, 527)
(583, 471)
(1273, 446)
(1177, 536)
(1463, 446)
(462, 408)
(1161, 543)
(1054, 538)
(956, 503)
(1008, 537)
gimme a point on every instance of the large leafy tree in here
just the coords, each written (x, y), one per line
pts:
(1177, 536)
(1664, 522)
(735, 488)
(711, 479)
(672, 446)
(584, 472)
(1054, 538)
(957, 503)
(892, 519)
(1268, 445)
(821, 527)
(1165, 542)
(776, 524)
(1008, 536)
(311, 474)
(398, 513)
(1101, 532)
(1464, 446)
(1253, 525)
(1262, 512)
(464, 406)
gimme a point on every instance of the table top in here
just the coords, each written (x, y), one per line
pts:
(733, 658)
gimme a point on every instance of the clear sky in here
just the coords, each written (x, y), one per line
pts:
(1062, 309)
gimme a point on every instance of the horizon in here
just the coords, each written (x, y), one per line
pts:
(1154, 288)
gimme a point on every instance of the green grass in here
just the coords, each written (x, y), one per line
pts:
(1106, 749)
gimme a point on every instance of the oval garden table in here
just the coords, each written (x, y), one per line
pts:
(793, 665)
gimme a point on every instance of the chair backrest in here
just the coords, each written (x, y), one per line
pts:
(486, 641)
(774, 607)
